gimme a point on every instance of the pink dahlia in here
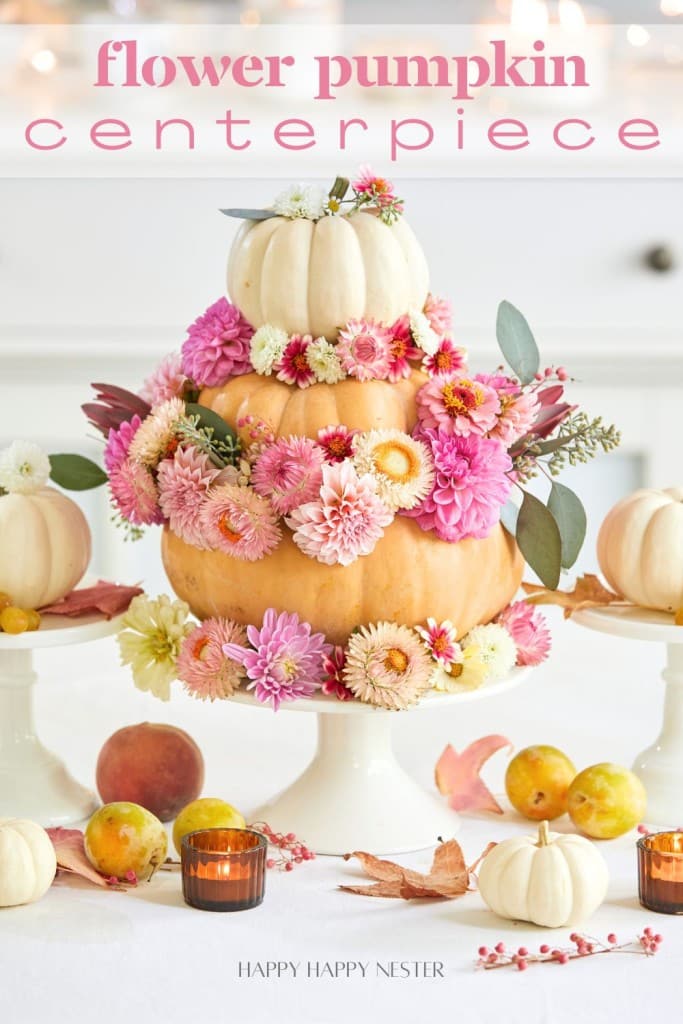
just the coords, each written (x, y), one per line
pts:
(447, 359)
(457, 405)
(401, 350)
(346, 521)
(336, 442)
(217, 345)
(183, 483)
(439, 313)
(118, 444)
(167, 381)
(293, 367)
(471, 485)
(134, 493)
(364, 349)
(207, 672)
(289, 473)
(285, 660)
(240, 522)
(333, 678)
(527, 627)
(441, 641)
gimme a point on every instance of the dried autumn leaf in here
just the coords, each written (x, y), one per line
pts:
(448, 876)
(588, 592)
(71, 857)
(108, 598)
(457, 775)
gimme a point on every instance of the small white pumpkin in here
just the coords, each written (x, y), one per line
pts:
(44, 546)
(311, 277)
(27, 862)
(640, 548)
(551, 880)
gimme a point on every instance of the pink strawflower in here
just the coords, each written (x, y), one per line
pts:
(471, 485)
(527, 627)
(333, 680)
(207, 672)
(457, 405)
(292, 367)
(364, 349)
(167, 381)
(134, 494)
(183, 483)
(439, 313)
(447, 359)
(285, 660)
(441, 641)
(336, 442)
(401, 350)
(217, 345)
(289, 473)
(346, 521)
(240, 522)
(118, 444)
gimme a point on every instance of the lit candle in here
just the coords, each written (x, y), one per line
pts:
(223, 868)
(660, 872)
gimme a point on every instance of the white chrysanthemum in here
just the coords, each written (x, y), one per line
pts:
(307, 201)
(423, 335)
(24, 468)
(401, 466)
(157, 433)
(267, 345)
(467, 672)
(324, 361)
(497, 649)
(151, 641)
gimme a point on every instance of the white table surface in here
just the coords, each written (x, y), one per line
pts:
(84, 954)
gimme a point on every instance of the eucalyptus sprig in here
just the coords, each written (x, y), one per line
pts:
(209, 432)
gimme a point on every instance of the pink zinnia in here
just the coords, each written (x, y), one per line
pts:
(370, 184)
(346, 521)
(471, 485)
(292, 367)
(135, 495)
(364, 349)
(518, 414)
(285, 660)
(401, 350)
(289, 473)
(240, 522)
(527, 627)
(333, 679)
(439, 313)
(441, 640)
(207, 672)
(167, 381)
(183, 484)
(336, 442)
(447, 359)
(217, 345)
(118, 444)
(457, 405)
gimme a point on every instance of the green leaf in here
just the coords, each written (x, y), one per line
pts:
(570, 517)
(249, 214)
(76, 473)
(517, 342)
(222, 431)
(538, 538)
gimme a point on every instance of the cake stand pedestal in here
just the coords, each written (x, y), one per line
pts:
(660, 767)
(354, 795)
(34, 782)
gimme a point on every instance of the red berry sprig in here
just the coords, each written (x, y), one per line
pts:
(287, 848)
(583, 945)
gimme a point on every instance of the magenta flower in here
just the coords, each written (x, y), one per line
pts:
(401, 350)
(373, 186)
(206, 671)
(333, 678)
(118, 444)
(447, 359)
(289, 473)
(471, 485)
(167, 381)
(527, 627)
(239, 522)
(441, 641)
(183, 483)
(285, 660)
(457, 405)
(439, 313)
(336, 442)
(134, 494)
(292, 367)
(364, 349)
(217, 345)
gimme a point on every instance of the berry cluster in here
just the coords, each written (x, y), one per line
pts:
(289, 850)
(583, 945)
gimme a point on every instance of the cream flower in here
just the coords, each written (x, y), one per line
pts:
(466, 673)
(324, 361)
(401, 466)
(423, 335)
(496, 647)
(306, 201)
(267, 346)
(386, 665)
(151, 641)
(24, 468)
(157, 433)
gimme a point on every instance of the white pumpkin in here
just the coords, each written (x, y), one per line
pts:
(640, 548)
(44, 546)
(550, 879)
(311, 277)
(27, 862)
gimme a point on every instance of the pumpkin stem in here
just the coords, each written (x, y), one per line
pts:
(339, 189)
(543, 835)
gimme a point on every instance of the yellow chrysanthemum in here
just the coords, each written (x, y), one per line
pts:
(151, 641)
(468, 674)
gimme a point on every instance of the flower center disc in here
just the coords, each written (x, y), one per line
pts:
(396, 660)
(228, 531)
(398, 462)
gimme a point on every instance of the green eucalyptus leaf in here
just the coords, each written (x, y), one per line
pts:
(76, 473)
(222, 431)
(241, 214)
(517, 342)
(570, 517)
(538, 538)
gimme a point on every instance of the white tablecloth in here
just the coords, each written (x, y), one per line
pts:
(83, 954)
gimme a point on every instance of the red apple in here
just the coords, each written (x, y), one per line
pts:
(157, 766)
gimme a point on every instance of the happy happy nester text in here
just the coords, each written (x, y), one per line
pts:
(336, 969)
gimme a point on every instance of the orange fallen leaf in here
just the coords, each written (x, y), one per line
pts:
(457, 775)
(448, 876)
(588, 592)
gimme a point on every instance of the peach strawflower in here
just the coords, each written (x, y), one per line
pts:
(386, 665)
(207, 672)
(239, 522)
(157, 436)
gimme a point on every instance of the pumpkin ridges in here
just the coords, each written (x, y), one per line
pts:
(341, 296)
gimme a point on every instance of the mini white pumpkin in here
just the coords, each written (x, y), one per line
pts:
(311, 277)
(551, 880)
(44, 546)
(27, 862)
(640, 548)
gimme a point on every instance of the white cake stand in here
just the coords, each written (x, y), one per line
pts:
(34, 782)
(660, 767)
(354, 795)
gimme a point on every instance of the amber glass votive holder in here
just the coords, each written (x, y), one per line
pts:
(660, 872)
(223, 868)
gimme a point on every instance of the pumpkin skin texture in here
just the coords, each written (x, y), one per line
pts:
(45, 546)
(27, 862)
(640, 548)
(312, 277)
